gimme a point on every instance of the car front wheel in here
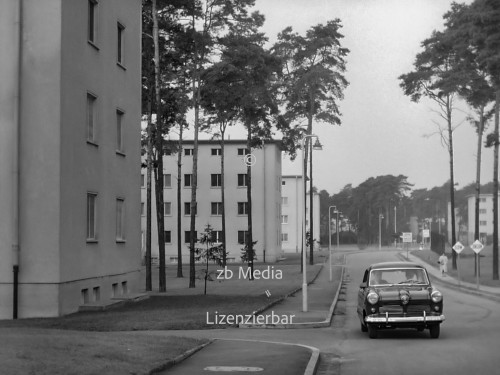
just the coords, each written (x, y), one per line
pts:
(434, 331)
(372, 331)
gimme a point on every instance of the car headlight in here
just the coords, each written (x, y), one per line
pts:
(436, 296)
(372, 297)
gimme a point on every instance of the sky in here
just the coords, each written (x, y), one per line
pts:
(382, 131)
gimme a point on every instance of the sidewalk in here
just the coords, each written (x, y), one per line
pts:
(260, 356)
(466, 287)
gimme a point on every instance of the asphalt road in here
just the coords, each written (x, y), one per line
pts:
(468, 343)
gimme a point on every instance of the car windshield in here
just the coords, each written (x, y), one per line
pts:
(393, 276)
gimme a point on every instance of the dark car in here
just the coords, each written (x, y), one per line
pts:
(399, 295)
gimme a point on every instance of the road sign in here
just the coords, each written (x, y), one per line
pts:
(407, 237)
(477, 246)
(458, 247)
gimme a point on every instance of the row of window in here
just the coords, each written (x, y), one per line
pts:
(92, 124)
(92, 224)
(93, 32)
(189, 151)
(216, 236)
(215, 180)
(215, 208)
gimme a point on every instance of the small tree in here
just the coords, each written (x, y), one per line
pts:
(209, 251)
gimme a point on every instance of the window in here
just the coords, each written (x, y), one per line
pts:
(284, 219)
(91, 216)
(91, 117)
(483, 211)
(143, 180)
(92, 26)
(188, 180)
(119, 132)
(283, 182)
(284, 201)
(167, 208)
(188, 151)
(96, 293)
(242, 236)
(120, 219)
(242, 208)
(242, 151)
(217, 208)
(284, 237)
(84, 296)
(187, 236)
(167, 180)
(242, 179)
(216, 151)
(187, 208)
(216, 180)
(483, 223)
(167, 235)
(143, 207)
(216, 236)
(119, 45)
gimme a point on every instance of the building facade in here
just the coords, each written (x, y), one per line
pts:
(266, 196)
(485, 217)
(69, 154)
(292, 208)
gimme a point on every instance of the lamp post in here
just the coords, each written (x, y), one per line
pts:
(304, 258)
(330, 238)
(380, 217)
(338, 242)
(395, 229)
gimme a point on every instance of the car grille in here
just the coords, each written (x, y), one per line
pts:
(411, 309)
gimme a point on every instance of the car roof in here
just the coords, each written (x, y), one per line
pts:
(383, 265)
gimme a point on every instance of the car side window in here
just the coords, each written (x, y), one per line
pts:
(365, 277)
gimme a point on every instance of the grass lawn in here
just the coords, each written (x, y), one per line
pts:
(96, 342)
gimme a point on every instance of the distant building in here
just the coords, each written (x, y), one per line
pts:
(292, 197)
(266, 195)
(69, 154)
(485, 217)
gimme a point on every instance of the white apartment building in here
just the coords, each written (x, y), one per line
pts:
(69, 154)
(485, 216)
(266, 197)
(292, 196)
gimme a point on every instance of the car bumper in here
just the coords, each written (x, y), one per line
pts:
(386, 319)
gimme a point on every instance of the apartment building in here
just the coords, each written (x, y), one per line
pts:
(266, 197)
(69, 154)
(485, 217)
(292, 212)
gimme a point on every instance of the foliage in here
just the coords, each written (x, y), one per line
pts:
(246, 257)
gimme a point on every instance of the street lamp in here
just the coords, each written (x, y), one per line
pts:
(330, 238)
(380, 217)
(337, 223)
(317, 146)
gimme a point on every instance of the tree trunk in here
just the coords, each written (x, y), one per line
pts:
(179, 204)
(149, 282)
(223, 199)
(452, 185)
(478, 180)
(495, 189)
(159, 147)
(249, 200)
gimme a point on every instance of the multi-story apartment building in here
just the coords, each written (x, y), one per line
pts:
(485, 217)
(292, 207)
(69, 154)
(266, 195)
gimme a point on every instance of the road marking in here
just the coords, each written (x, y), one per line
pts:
(233, 369)
(268, 293)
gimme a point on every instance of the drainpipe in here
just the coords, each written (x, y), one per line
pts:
(15, 164)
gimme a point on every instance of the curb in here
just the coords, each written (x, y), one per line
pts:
(313, 362)
(321, 324)
(179, 358)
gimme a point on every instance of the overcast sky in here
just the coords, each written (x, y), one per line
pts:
(382, 131)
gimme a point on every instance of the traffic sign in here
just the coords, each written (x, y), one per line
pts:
(458, 247)
(477, 246)
(426, 233)
(407, 237)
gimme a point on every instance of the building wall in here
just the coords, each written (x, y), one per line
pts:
(292, 214)
(485, 217)
(266, 183)
(58, 166)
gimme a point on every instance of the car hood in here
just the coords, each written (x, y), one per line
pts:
(393, 293)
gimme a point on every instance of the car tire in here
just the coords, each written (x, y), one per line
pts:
(372, 331)
(363, 328)
(434, 331)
